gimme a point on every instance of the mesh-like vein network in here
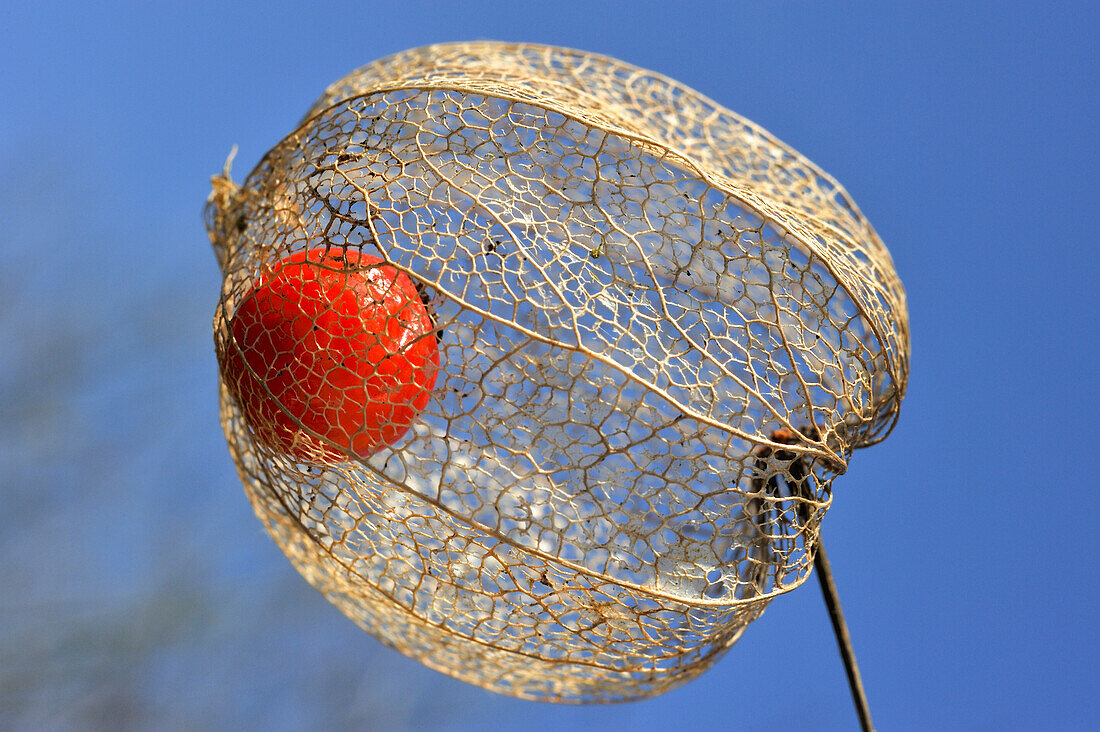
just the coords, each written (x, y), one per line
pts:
(662, 334)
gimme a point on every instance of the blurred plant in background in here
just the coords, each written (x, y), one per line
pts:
(135, 586)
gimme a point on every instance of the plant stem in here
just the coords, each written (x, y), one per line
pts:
(840, 630)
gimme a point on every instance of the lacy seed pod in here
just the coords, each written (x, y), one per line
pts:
(661, 333)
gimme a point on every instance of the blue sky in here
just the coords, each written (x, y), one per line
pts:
(136, 585)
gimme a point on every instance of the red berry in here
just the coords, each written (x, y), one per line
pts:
(337, 342)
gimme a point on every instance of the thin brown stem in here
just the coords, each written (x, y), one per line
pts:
(840, 630)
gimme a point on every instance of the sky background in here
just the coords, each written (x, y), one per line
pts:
(138, 590)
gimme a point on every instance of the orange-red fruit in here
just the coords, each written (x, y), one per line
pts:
(338, 343)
